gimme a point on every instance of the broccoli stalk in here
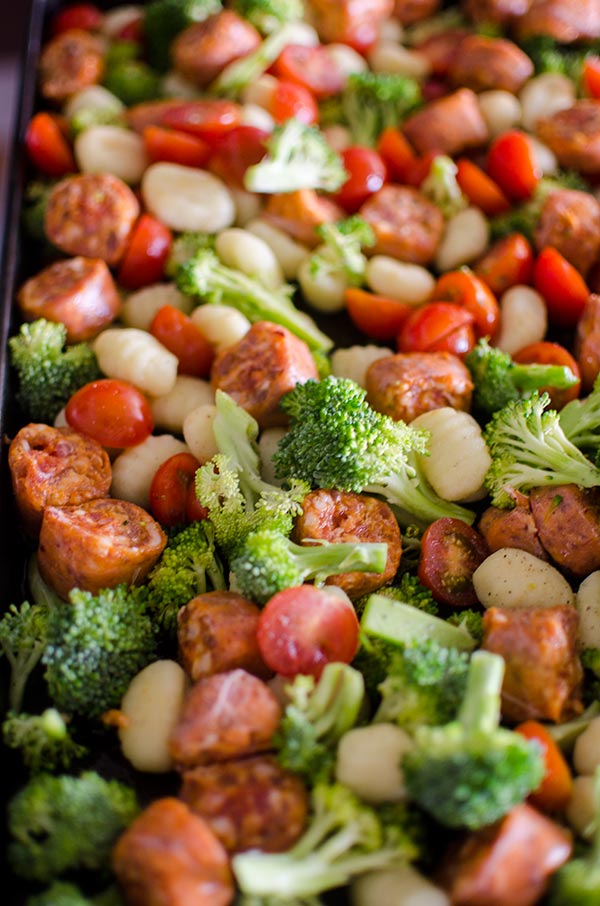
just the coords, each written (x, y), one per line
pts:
(550, 56)
(440, 186)
(580, 420)
(204, 275)
(242, 72)
(35, 202)
(374, 101)
(401, 624)
(409, 590)
(471, 772)
(268, 15)
(499, 380)
(164, 19)
(23, 639)
(578, 881)
(529, 449)
(63, 893)
(43, 739)
(298, 157)
(184, 247)
(342, 249)
(48, 374)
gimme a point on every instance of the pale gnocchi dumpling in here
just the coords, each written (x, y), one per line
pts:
(514, 578)
(187, 199)
(111, 149)
(587, 601)
(198, 432)
(139, 308)
(354, 361)
(369, 759)
(171, 410)
(133, 355)
(134, 469)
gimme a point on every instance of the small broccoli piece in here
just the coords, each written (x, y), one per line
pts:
(63, 893)
(565, 734)
(342, 249)
(401, 625)
(344, 838)
(578, 880)
(184, 247)
(524, 218)
(35, 203)
(580, 420)
(268, 15)
(96, 645)
(440, 186)
(298, 157)
(316, 716)
(374, 101)
(62, 823)
(132, 81)
(23, 639)
(204, 275)
(548, 55)
(498, 380)
(48, 374)
(86, 117)
(240, 73)
(164, 19)
(469, 620)
(529, 449)
(470, 772)
(43, 739)
(409, 590)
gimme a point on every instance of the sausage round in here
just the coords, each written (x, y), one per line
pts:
(78, 292)
(91, 214)
(98, 544)
(511, 528)
(406, 224)
(69, 62)
(298, 213)
(490, 63)
(498, 11)
(570, 222)
(341, 516)
(573, 135)
(409, 11)
(448, 125)
(249, 803)
(587, 342)
(354, 22)
(567, 519)
(563, 20)
(441, 48)
(205, 48)
(55, 467)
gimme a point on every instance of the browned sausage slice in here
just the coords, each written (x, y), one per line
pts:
(225, 716)
(298, 213)
(563, 20)
(568, 522)
(341, 516)
(69, 62)
(501, 12)
(98, 544)
(451, 124)
(353, 22)
(406, 224)
(250, 803)
(574, 135)
(511, 528)
(78, 292)
(201, 51)
(169, 856)
(441, 48)
(490, 63)
(570, 222)
(55, 467)
(91, 214)
(409, 11)
(587, 342)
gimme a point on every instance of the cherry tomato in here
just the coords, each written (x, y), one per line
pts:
(512, 164)
(179, 335)
(313, 67)
(175, 147)
(591, 76)
(303, 629)
(207, 118)
(438, 327)
(79, 15)
(291, 99)
(112, 412)
(366, 175)
(47, 147)
(419, 170)
(170, 497)
(547, 353)
(238, 149)
(132, 30)
(465, 289)
(451, 551)
(376, 316)
(562, 286)
(555, 790)
(145, 256)
(397, 154)
(508, 262)
(480, 189)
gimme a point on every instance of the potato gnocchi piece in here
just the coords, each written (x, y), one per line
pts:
(139, 308)
(136, 356)
(545, 95)
(353, 362)
(111, 149)
(134, 469)
(93, 97)
(523, 319)
(400, 886)
(400, 280)
(248, 205)
(465, 239)
(368, 762)
(268, 443)
(288, 252)
(221, 325)
(171, 410)
(586, 752)
(322, 288)
(186, 198)
(500, 109)
(587, 601)
(580, 812)
(514, 578)
(249, 254)
(198, 432)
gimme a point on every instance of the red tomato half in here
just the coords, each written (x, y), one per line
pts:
(438, 327)
(238, 149)
(508, 262)
(480, 189)
(114, 413)
(396, 152)
(451, 551)
(366, 175)
(313, 67)
(291, 99)
(47, 148)
(562, 286)
(175, 147)
(547, 353)
(145, 256)
(512, 164)
(172, 492)
(179, 335)
(376, 316)
(465, 289)
(591, 76)
(303, 629)
(207, 118)
(79, 15)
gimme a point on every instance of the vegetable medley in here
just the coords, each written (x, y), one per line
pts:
(342, 602)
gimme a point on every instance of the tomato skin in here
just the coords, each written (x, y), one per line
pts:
(115, 413)
(47, 148)
(178, 333)
(438, 327)
(79, 15)
(238, 149)
(556, 788)
(562, 286)
(396, 153)
(312, 67)
(508, 262)
(303, 629)
(145, 256)
(419, 170)
(366, 175)
(546, 353)
(466, 289)
(451, 551)
(512, 165)
(170, 490)
(591, 76)
(291, 99)
(480, 189)
(175, 147)
(376, 316)
(206, 119)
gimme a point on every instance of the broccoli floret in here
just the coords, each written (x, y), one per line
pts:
(344, 838)
(62, 823)
(48, 374)
(440, 186)
(548, 55)
(86, 117)
(164, 19)
(184, 247)
(316, 716)
(132, 81)
(525, 218)
(470, 772)
(24, 634)
(96, 645)
(298, 157)
(499, 380)
(336, 440)
(374, 101)
(63, 893)
(35, 202)
(341, 252)
(43, 739)
(469, 620)
(268, 15)
(578, 881)
(204, 275)
(529, 449)
(580, 420)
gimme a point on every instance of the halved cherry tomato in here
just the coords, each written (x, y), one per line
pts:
(480, 189)
(175, 147)
(238, 149)
(115, 413)
(376, 316)
(366, 175)
(451, 551)
(546, 353)
(291, 99)
(419, 170)
(313, 67)
(133, 30)
(396, 152)
(562, 286)
(303, 629)
(512, 164)
(47, 147)
(591, 76)
(170, 499)
(508, 262)
(79, 15)
(179, 335)
(438, 327)
(554, 792)
(465, 289)
(145, 256)
(207, 118)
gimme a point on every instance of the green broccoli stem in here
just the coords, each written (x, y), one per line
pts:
(535, 376)
(237, 75)
(235, 432)
(580, 419)
(323, 560)
(480, 710)
(21, 668)
(335, 701)
(402, 624)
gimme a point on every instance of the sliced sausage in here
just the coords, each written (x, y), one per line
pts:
(441, 49)
(543, 672)
(405, 385)
(406, 224)
(78, 292)
(586, 347)
(508, 863)
(249, 803)
(490, 63)
(69, 62)
(448, 125)
(151, 113)
(298, 213)
(354, 22)
(409, 11)
(260, 368)
(501, 12)
(228, 715)
(563, 20)
(567, 519)
(201, 51)
(341, 516)
(512, 528)
(91, 214)
(570, 222)
(55, 467)
(216, 631)
(169, 856)
(574, 135)
(98, 544)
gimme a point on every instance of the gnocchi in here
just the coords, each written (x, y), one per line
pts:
(134, 355)
(186, 198)
(399, 280)
(111, 149)
(171, 409)
(354, 362)
(523, 319)
(587, 601)
(198, 432)
(222, 325)
(465, 238)
(514, 578)
(250, 254)
(368, 762)
(134, 469)
(139, 308)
